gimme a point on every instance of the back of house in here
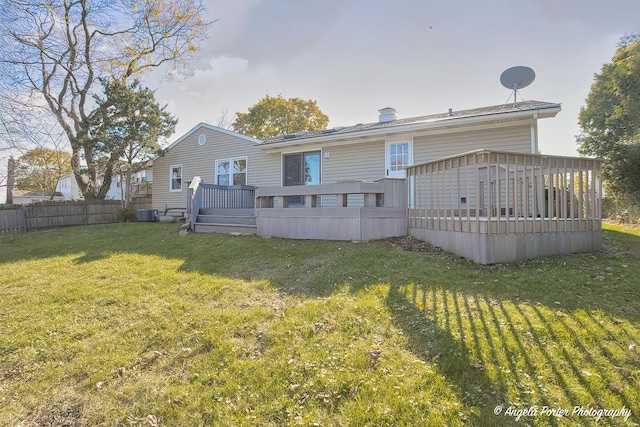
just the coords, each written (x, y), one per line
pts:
(366, 152)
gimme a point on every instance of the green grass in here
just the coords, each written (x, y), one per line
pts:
(132, 324)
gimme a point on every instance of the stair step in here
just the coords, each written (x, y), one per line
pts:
(219, 219)
(225, 228)
(226, 212)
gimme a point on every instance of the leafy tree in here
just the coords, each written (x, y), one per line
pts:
(41, 168)
(54, 52)
(272, 117)
(126, 128)
(610, 121)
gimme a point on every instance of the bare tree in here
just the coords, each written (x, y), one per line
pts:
(55, 51)
(226, 119)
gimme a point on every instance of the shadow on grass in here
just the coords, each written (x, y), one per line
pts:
(491, 330)
(441, 344)
(604, 281)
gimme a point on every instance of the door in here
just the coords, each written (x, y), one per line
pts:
(399, 154)
(301, 169)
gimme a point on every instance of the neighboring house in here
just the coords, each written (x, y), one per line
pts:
(22, 197)
(361, 152)
(69, 188)
(142, 181)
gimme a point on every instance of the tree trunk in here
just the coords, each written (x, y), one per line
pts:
(127, 189)
(11, 169)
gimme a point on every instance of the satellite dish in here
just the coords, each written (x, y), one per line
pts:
(515, 78)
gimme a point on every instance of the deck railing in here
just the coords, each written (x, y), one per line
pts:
(498, 192)
(201, 195)
(371, 194)
(228, 197)
(353, 210)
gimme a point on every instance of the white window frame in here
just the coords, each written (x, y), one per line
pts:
(171, 169)
(400, 174)
(230, 174)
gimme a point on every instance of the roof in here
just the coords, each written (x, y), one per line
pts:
(456, 117)
(24, 193)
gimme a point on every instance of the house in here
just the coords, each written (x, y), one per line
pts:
(23, 197)
(141, 184)
(68, 187)
(378, 180)
(361, 152)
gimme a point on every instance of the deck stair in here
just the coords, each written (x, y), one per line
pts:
(235, 221)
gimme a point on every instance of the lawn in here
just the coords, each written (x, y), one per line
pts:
(133, 324)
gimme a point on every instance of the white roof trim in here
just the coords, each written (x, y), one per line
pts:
(458, 122)
(214, 128)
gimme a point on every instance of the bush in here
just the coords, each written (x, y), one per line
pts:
(125, 214)
(622, 209)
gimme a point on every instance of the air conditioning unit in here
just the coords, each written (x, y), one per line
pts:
(147, 215)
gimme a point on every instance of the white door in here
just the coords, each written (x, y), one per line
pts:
(399, 154)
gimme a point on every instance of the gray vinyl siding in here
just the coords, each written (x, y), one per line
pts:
(433, 147)
(366, 160)
(429, 148)
(197, 160)
(354, 161)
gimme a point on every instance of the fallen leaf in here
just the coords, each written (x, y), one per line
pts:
(625, 371)
(374, 354)
(615, 388)
(153, 421)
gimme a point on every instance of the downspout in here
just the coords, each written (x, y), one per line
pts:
(534, 134)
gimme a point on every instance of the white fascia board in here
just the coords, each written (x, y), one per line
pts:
(452, 124)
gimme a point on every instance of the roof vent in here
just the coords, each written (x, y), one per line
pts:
(387, 114)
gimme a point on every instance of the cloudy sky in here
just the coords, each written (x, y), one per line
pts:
(421, 57)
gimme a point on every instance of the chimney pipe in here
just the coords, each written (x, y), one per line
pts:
(387, 114)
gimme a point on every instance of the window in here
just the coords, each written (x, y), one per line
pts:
(175, 176)
(399, 154)
(231, 171)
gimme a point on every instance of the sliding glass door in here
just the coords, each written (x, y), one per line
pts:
(301, 169)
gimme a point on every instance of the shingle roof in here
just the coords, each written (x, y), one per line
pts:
(474, 112)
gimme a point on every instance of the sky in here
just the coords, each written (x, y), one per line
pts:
(419, 56)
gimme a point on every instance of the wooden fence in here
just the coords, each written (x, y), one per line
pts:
(61, 214)
(12, 222)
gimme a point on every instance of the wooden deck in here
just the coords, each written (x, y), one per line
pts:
(378, 211)
(495, 207)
